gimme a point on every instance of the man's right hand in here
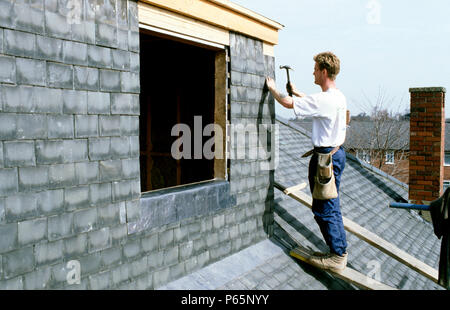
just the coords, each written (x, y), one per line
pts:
(292, 89)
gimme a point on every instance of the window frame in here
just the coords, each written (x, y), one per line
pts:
(389, 155)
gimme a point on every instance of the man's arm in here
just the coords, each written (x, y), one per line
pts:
(285, 100)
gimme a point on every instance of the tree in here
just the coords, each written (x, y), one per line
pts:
(385, 133)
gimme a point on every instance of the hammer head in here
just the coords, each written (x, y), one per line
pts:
(286, 67)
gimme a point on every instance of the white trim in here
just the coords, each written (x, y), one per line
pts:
(181, 36)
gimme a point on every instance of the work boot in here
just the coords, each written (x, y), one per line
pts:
(331, 261)
(320, 254)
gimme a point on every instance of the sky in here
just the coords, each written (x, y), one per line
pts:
(385, 47)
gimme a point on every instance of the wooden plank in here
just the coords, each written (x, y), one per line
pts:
(228, 18)
(166, 20)
(381, 244)
(295, 188)
(268, 49)
(246, 12)
(348, 274)
(391, 250)
(220, 114)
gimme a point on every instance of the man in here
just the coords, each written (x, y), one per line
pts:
(328, 111)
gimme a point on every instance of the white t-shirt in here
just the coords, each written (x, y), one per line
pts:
(329, 116)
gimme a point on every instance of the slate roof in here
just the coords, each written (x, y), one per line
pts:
(365, 195)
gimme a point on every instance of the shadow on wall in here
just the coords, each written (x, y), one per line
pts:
(268, 218)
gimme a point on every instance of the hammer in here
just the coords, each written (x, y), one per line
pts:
(288, 79)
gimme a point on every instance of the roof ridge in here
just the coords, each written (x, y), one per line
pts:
(365, 165)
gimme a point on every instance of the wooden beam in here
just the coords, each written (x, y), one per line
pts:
(220, 112)
(221, 14)
(295, 188)
(268, 49)
(348, 274)
(374, 240)
(181, 25)
(249, 13)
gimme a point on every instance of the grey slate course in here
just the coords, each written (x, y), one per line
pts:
(32, 231)
(9, 241)
(74, 101)
(130, 82)
(86, 78)
(33, 178)
(86, 172)
(99, 103)
(8, 72)
(48, 253)
(75, 53)
(19, 43)
(62, 175)
(50, 202)
(28, 18)
(76, 197)
(38, 279)
(60, 126)
(121, 59)
(109, 125)
(100, 57)
(86, 126)
(125, 104)
(18, 262)
(110, 80)
(49, 48)
(31, 71)
(75, 150)
(60, 226)
(60, 75)
(57, 25)
(20, 153)
(100, 194)
(30, 126)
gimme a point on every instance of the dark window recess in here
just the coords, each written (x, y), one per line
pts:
(447, 159)
(177, 83)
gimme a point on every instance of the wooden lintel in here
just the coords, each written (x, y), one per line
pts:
(222, 14)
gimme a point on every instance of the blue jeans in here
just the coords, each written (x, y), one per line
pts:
(327, 213)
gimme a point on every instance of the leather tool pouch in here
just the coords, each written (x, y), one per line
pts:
(324, 182)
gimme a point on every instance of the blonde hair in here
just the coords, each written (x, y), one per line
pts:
(329, 61)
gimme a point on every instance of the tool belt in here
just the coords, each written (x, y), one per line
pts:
(310, 152)
(324, 181)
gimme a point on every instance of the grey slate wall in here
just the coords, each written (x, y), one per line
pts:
(69, 145)
(251, 105)
(69, 155)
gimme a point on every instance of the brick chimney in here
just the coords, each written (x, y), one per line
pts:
(426, 144)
